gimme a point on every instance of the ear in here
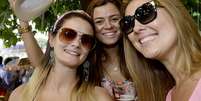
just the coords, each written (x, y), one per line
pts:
(51, 39)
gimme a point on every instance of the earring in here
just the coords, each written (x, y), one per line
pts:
(86, 70)
(52, 60)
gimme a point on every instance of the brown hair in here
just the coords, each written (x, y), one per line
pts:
(99, 52)
(97, 3)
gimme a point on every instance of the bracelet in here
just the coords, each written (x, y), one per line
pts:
(22, 30)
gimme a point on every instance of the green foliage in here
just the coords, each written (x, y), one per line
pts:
(194, 7)
(8, 22)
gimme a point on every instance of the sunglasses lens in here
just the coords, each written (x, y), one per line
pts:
(146, 13)
(88, 41)
(127, 24)
(67, 35)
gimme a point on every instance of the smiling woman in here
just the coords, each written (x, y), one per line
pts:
(60, 73)
(157, 31)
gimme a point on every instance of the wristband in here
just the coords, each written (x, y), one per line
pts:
(26, 29)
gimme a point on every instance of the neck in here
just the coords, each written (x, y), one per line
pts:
(112, 62)
(112, 52)
(61, 78)
(169, 60)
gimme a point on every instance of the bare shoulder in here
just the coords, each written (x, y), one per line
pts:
(102, 94)
(15, 95)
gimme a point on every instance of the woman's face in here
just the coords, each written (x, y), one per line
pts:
(106, 20)
(72, 53)
(156, 39)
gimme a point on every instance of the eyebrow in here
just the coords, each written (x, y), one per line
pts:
(118, 15)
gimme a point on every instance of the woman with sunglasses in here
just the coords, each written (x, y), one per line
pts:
(60, 75)
(163, 30)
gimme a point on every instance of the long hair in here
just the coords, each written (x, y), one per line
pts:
(83, 89)
(188, 58)
(189, 40)
(99, 52)
(147, 75)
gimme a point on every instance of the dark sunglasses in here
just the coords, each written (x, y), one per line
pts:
(144, 14)
(67, 35)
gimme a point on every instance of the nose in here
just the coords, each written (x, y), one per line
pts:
(76, 42)
(108, 24)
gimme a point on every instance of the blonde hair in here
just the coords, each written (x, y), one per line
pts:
(84, 89)
(188, 55)
(147, 75)
(189, 40)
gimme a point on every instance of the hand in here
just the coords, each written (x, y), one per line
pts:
(12, 2)
(27, 10)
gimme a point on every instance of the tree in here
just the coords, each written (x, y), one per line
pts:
(8, 22)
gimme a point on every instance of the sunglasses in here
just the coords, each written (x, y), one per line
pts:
(67, 35)
(143, 14)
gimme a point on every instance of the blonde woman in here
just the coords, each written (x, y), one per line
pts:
(60, 75)
(163, 30)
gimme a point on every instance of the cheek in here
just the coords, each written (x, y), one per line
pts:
(85, 52)
(131, 38)
(98, 28)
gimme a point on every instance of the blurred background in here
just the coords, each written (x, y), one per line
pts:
(12, 51)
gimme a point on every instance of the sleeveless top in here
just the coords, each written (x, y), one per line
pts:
(196, 95)
(120, 90)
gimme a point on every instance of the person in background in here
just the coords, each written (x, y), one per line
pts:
(163, 30)
(109, 52)
(3, 84)
(12, 77)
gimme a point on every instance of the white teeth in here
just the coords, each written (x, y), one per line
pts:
(71, 52)
(148, 38)
(108, 34)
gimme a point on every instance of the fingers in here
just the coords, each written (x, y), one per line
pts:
(12, 3)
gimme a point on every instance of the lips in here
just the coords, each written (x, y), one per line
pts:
(110, 34)
(143, 38)
(72, 52)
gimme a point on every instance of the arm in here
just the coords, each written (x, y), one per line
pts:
(34, 52)
(102, 94)
(15, 95)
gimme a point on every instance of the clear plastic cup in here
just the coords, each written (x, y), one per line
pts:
(27, 10)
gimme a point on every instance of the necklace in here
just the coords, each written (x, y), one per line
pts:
(115, 69)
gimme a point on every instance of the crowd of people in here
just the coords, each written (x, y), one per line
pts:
(144, 50)
(13, 72)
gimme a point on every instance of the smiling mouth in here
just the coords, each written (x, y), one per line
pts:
(74, 53)
(110, 34)
(147, 38)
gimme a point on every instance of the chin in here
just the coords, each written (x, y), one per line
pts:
(73, 64)
(150, 55)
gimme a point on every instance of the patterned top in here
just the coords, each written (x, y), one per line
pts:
(120, 90)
